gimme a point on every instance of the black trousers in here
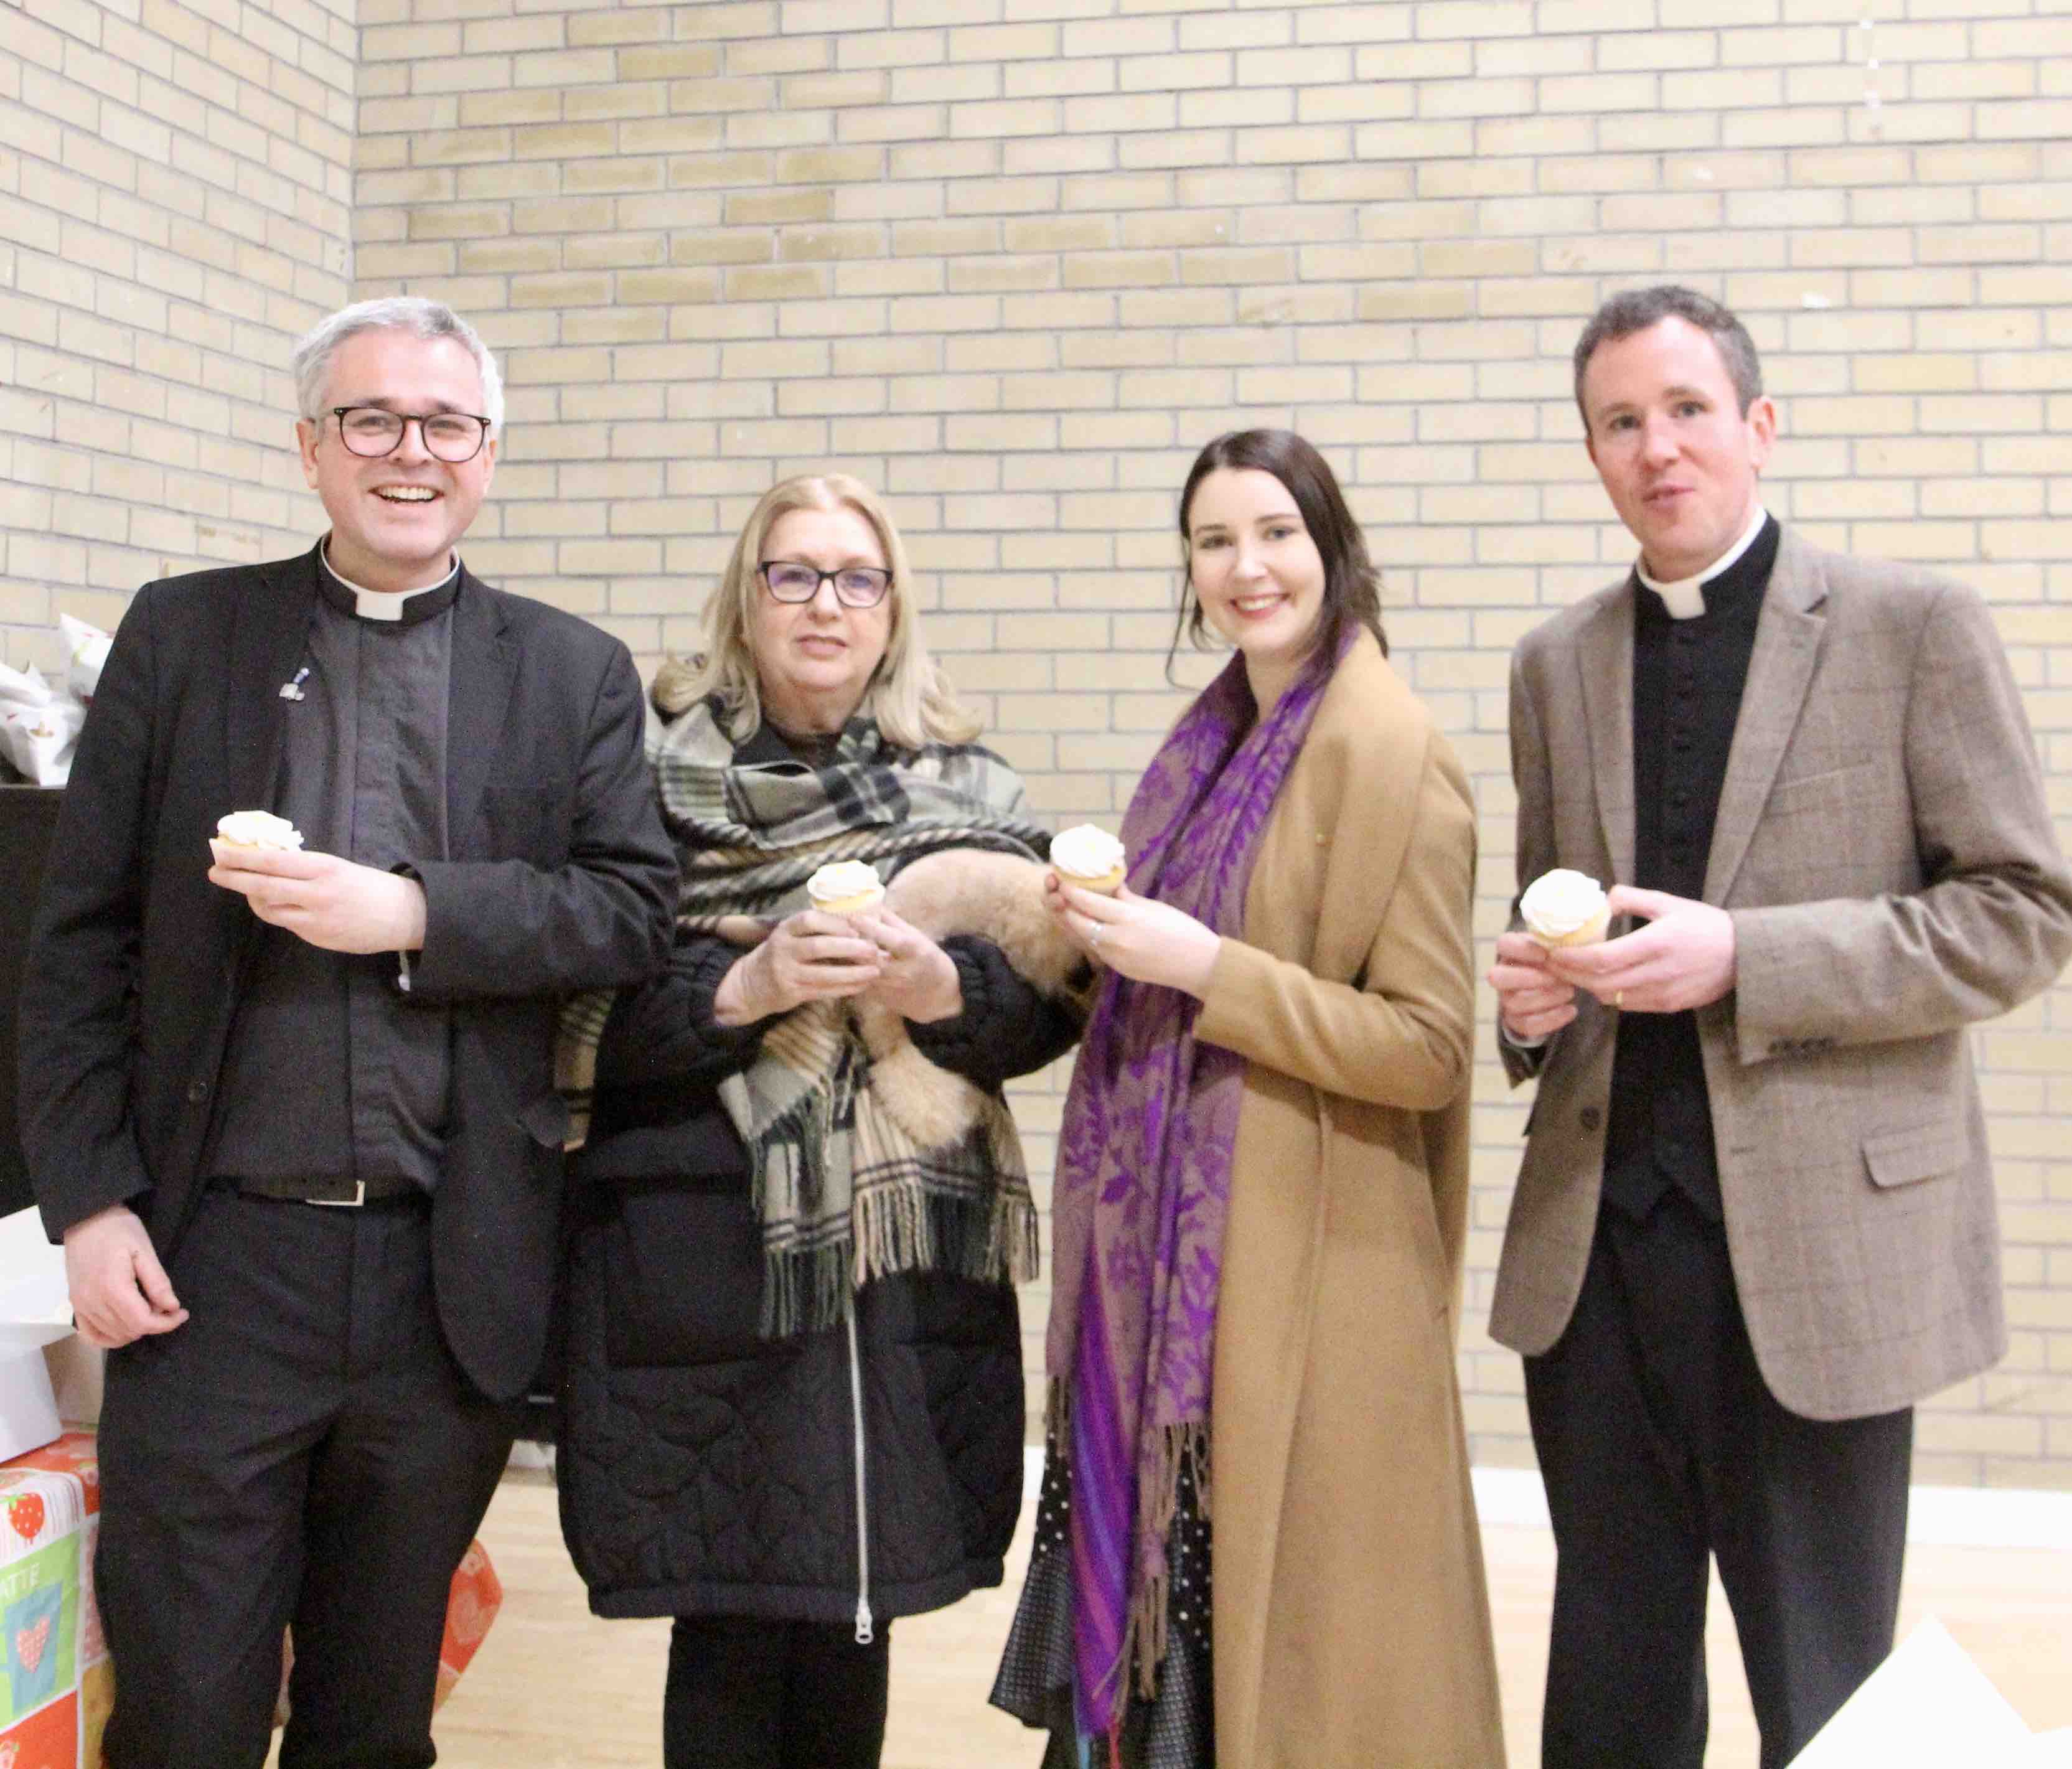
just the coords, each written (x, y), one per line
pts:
(745, 1693)
(303, 1450)
(1661, 1444)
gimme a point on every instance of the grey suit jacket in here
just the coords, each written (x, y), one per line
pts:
(1885, 848)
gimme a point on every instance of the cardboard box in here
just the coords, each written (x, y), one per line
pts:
(58, 1685)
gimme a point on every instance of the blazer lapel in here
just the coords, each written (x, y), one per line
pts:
(1604, 662)
(1787, 647)
(484, 665)
(268, 641)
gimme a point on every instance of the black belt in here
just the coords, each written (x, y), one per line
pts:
(298, 1188)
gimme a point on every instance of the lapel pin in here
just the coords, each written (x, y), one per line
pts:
(293, 690)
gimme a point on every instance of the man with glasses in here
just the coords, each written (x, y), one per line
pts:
(292, 1112)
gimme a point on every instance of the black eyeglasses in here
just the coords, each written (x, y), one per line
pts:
(374, 430)
(856, 585)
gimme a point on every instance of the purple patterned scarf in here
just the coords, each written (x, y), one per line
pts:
(1142, 1188)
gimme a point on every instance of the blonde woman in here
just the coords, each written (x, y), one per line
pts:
(793, 1397)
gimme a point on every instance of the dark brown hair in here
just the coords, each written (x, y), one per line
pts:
(1636, 309)
(1352, 587)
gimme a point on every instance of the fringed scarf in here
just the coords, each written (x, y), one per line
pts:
(842, 1192)
(1143, 1185)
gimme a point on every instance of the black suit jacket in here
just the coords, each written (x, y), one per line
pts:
(560, 879)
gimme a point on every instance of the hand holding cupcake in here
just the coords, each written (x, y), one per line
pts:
(1563, 911)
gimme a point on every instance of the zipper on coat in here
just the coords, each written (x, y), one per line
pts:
(863, 1625)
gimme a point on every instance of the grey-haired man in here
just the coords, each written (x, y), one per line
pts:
(291, 1111)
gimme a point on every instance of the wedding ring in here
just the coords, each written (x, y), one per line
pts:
(1093, 939)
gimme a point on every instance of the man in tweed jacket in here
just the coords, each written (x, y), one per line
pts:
(1755, 1221)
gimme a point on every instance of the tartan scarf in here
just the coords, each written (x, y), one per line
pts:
(842, 1192)
(1143, 1189)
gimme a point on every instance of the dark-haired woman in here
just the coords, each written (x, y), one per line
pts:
(1261, 1204)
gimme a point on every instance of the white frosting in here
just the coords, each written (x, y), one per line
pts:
(1556, 903)
(1085, 852)
(258, 830)
(843, 879)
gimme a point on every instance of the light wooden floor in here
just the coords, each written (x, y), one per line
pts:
(553, 1688)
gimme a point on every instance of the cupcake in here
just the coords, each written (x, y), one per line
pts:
(257, 829)
(1089, 857)
(845, 887)
(1565, 908)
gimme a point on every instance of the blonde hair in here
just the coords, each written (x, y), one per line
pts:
(907, 695)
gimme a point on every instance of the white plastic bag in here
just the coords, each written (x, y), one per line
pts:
(39, 726)
(87, 646)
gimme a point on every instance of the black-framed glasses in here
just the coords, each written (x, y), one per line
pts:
(374, 430)
(856, 585)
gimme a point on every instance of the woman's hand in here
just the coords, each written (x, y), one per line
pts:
(915, 977)
(1147, 941)
(810, 957)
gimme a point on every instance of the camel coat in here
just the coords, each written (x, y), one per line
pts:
(1352, 1627)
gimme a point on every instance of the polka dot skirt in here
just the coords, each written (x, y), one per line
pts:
(1176, 1729)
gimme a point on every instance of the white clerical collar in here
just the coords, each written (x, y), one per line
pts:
(384, 604)
(1685, 598)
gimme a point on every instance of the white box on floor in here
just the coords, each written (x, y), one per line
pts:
(28, 1408)
(35, 1312)
(1928, 1706)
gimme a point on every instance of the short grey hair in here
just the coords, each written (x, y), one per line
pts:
(1635, 309)
(413, 313)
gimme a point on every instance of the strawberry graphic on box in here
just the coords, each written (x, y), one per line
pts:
(25, 1513)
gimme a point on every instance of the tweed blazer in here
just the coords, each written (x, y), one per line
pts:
(1884, 849)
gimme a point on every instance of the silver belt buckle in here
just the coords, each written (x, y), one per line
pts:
(359, 1197)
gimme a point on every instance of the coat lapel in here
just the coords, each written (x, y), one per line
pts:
(1787, 647)
(268, 641)
(1604, 661)
(484, 665)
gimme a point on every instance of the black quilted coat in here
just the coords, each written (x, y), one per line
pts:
(704, 1470)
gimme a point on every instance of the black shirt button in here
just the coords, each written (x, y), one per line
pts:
(197, 1092)
(1591, 1117)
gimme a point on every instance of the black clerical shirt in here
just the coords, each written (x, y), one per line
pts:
(1688, 678)
(330, 1071)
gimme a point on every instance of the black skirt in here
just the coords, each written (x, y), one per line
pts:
(1176, 1728)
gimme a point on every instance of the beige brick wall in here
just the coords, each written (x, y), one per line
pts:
(175, 184)
(1015, 260)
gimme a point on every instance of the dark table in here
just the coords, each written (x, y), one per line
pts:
(27, 816)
